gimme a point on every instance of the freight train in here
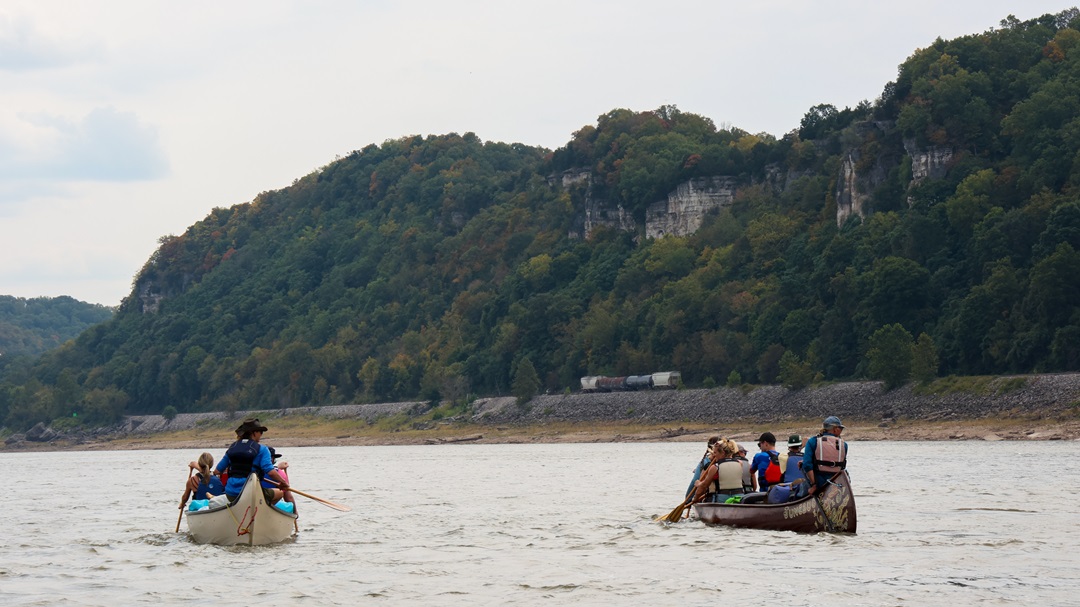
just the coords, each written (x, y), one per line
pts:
(600, 383)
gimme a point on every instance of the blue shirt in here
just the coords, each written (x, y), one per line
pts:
(808, 462)
(262, 464)
(759, 464)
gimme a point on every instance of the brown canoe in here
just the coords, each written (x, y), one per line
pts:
(830, 510)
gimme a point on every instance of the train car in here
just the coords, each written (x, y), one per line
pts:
(611, 384)
(588, 383)
(639, 382)
(666, 379)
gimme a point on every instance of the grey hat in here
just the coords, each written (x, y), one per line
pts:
(832, 421)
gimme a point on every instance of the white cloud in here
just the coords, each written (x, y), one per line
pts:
(104, 145)
(24, 47)
(124, 120)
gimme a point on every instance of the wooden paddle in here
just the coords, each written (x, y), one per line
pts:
(829, 526)
(676, 515)
(183, 500)
(333, 505)
(340, 507)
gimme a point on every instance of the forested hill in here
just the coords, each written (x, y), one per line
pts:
(32, 326)
(935, 230)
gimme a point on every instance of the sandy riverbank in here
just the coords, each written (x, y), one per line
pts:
(1035, 407)
(311, 431)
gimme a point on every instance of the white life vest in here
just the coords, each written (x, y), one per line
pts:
(729, 475)
(830, 455)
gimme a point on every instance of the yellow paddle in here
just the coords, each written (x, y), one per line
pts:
(676, 515)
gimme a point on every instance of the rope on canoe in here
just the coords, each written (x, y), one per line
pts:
(240, 528)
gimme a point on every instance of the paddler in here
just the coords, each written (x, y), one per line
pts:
(245, 456)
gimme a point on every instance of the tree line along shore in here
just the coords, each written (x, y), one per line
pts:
(1027, 407)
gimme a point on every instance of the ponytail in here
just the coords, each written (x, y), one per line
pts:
(206, 463)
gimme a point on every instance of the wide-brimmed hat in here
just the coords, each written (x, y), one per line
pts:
(250, 424)
(832, 421)
(794, 441)
(274, 455)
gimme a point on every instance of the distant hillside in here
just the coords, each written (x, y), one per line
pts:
(933, 231)
(32, 326)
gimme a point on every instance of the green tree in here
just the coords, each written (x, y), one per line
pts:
(795, 374)
(890, 355)
(924, 360)
(526, 383)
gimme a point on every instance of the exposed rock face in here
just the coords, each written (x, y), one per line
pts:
(685, 208)
(861, 172)
(849, 200)
(598, 213)
(570, 177)
(150, 297)
(932, 162)
(41, 433)
(680, 215)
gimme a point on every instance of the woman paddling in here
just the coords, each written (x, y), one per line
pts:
(203, 484)
(724, 476)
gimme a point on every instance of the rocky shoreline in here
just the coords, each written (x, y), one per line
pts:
(1030, 407)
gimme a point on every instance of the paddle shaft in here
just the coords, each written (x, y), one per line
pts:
(321, 500)
(183, 501)
(311, 497)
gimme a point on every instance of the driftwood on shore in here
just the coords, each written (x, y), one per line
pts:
(459, 439)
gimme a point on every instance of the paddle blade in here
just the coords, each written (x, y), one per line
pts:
(675, 515)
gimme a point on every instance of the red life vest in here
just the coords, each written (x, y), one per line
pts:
(773, 473)
(830, 455)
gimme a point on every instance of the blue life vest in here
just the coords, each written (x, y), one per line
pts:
(792, 471)
(242, 456)
(213, 486)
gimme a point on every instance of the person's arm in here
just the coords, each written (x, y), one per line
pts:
(754, 471)
(266, 464)
(278, 478)
(701, 487)
(808, 463)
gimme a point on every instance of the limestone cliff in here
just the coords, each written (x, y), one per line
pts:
(873, 151)
(865, 167)
(929, 163)
(685, 208)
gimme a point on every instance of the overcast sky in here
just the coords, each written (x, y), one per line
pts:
(122, 121)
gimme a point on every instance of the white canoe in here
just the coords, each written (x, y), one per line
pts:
(249, 521)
